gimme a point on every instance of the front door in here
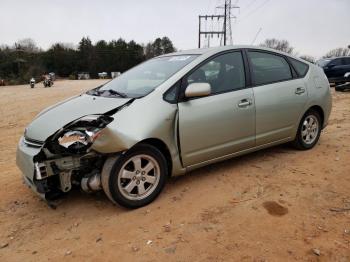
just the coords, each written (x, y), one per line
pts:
(223, 122)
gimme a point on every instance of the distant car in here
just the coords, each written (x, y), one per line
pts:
(102, 75)
(346, 86)
(83, 76)
(170, 115)
(335, 68)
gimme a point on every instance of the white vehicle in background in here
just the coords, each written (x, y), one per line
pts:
(115, 74)
(102, 75)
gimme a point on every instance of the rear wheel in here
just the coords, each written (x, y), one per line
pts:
(309, 131)
(338, 89)
(135, 178)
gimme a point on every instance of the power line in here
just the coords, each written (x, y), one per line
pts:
(249, 4)
(256, 9)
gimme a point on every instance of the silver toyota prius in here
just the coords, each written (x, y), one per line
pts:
(172, 114)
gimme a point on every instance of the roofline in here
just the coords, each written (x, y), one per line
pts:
(214, 50)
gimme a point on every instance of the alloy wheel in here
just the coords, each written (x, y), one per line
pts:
(138, 177)
(310, 129)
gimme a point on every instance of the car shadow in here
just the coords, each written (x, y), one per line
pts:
(99, 201)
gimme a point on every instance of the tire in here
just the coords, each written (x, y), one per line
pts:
(338, 89)
(135, 178)
(308, 134)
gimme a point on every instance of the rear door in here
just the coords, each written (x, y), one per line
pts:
(279, 98)
(334, 68)
(346, 65)
(223, 122)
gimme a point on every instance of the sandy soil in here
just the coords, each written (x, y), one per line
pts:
(273, 205)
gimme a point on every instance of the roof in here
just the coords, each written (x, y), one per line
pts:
(213, 50)
(333, 57)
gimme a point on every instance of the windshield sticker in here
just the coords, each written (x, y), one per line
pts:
(179, 58)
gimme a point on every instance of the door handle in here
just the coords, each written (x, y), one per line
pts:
(244, 103)
(299, 90)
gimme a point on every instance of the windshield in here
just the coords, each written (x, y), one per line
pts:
(144, 78)
(323, 62)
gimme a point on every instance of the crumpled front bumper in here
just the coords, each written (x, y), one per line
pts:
(25, 162)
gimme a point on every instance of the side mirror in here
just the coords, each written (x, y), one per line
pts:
(197, 90)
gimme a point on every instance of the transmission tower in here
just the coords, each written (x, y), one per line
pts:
(227, 26)
(225, 18)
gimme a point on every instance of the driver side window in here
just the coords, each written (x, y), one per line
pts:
(224, 73)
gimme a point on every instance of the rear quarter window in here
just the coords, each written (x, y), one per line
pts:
(300, 67)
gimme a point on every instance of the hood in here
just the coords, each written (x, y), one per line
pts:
(52, 119)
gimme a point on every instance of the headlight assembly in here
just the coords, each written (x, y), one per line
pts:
(79, 135)
(78, 139)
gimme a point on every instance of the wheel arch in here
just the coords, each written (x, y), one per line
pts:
(319, 110)
(163, 148)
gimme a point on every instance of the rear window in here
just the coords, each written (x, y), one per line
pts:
(300, 67)
(268, 68)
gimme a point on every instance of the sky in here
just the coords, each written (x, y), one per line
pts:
(312, 27)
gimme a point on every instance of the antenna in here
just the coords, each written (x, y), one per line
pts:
(256, 35)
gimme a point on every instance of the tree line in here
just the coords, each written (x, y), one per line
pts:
(23, 60)
(284, 46)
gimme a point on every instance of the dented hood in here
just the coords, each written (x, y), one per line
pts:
(57, 116)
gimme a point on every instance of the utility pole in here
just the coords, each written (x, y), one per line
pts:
(210, 33)
(225, 22)
(226, 32)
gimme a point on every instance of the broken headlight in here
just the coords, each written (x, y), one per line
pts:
(79, 135)
(78, 139)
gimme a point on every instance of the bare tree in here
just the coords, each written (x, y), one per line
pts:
(281, 45)
(308, 58)
(341, 51)
(27, 45)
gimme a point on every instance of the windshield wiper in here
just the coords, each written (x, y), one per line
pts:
(113, 92)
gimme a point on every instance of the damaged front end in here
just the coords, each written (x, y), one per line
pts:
(66, 159)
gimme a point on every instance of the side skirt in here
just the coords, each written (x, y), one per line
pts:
(239, 153)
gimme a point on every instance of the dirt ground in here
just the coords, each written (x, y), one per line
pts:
(277, 204)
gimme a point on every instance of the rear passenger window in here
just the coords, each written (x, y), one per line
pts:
(300, 67)
(346, 60)
(268, 68)
(335, 62)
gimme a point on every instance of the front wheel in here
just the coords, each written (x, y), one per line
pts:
(309, 131)
(135, 178)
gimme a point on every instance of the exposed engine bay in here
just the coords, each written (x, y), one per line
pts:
(66, 159)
